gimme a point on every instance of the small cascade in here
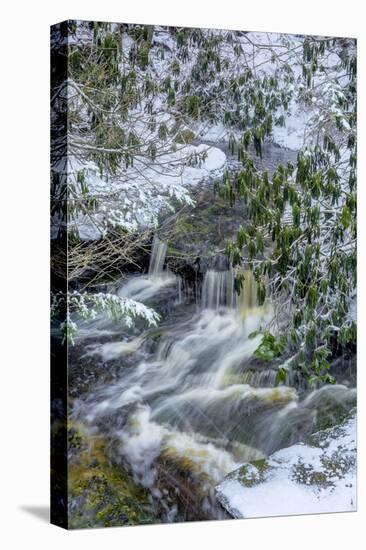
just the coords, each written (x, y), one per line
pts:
(247, 302)
(187, 403)
(157, 259)
(146, 287)
(218, 289)
(260, 378)
(195, 402)
(248, 294)
(180, 298)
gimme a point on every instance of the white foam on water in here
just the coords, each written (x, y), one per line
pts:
(183, 400)
(141, 443)
(113, 350)
(145, 287)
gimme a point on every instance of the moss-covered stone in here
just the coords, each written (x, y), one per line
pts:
(101, 494)
(334, 413)
(307, 475)
(185, 136)
(253, 473)
(319, 477)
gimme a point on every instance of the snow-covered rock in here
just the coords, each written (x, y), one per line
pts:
(293, 135)
(135, 197)
(318, 476)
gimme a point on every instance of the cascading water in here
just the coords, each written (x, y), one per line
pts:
(146, 287)
(199, 403)
(218, 289)
(157, 258)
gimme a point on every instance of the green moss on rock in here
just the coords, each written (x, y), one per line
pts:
(253, 473)
(185, 136)
(101, 494)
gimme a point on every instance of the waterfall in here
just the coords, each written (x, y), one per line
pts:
(249, 291)
(247, 302)
(187, 403)
(218, 289)
(157, 259)
(179, 280)
(194, 398)
(147, 286)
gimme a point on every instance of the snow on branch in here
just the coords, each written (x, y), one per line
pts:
(88, 306)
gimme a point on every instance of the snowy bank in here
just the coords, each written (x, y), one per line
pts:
(136, 196)
(316, 477)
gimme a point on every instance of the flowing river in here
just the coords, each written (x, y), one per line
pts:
(186, 403)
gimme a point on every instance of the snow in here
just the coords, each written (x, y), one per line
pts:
(135, 198)
(292, 136)
(215, 160)
(141, 192)
(353, 309)
(301, 479)
(92, 306)
(187, 166)
(216, 132)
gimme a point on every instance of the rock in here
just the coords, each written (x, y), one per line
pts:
(101, 494)
(313, 477)
(185, 136)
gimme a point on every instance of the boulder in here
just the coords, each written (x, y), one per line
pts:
(316, 476)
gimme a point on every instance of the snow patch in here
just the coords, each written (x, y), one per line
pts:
(319, 477)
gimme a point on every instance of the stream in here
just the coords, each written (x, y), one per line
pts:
(185, 403)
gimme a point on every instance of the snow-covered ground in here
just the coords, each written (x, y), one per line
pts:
(135, 199)
(134, 196)
(317, 477)
(292, 136)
